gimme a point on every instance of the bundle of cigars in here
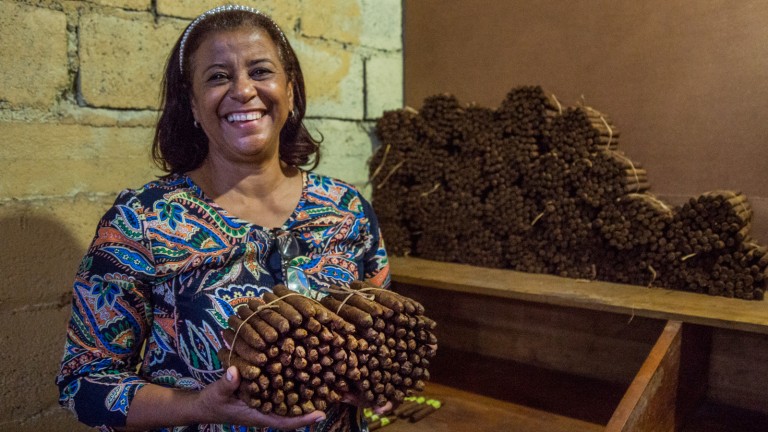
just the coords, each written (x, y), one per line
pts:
(539, 187)
(296, 355)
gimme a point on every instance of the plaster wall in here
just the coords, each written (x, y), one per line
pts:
(686, 83)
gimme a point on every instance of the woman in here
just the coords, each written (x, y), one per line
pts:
(235, 215)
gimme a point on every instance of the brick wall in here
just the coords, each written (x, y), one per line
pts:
(77, 110)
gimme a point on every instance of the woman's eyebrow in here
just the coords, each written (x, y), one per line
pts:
(214, 65)
(260, 60)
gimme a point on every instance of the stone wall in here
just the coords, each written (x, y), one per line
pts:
(77, 111)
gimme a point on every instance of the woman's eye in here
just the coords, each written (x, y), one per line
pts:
(217, 76)
(260, 73)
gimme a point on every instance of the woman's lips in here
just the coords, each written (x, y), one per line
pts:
(244, 117)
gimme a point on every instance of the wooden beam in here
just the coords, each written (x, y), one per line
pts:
(630, 300)
(648, 405)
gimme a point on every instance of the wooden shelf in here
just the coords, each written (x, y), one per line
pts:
(465, 411)
(672, 354)
(659, 303)
(499, 395)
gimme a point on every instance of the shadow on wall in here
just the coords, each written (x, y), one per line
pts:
(38, 260)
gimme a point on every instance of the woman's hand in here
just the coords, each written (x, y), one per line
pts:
(218, 403)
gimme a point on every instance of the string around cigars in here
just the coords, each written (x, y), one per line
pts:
(349, 293)
(736, 198)
(271, 305)
(391, 172)
(547, 205)
(434, 188)
(381, 164)
(650, 197)
(557, 102)
(361, 292)
(604, 121)
(632, 166)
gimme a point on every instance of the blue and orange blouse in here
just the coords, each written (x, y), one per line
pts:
(168, 266)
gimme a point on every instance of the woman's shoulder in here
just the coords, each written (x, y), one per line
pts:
(155, 190)
(335, 192)
(324, 183)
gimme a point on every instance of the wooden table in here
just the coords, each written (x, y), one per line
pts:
(466, 412)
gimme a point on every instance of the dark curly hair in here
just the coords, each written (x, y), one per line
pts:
(178, 145)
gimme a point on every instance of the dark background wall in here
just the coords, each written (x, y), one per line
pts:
(685, 82)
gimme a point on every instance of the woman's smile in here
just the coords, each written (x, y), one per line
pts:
(244, 117)
(245, 121)
(241, 95)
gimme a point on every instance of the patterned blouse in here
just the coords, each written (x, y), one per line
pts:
(168, 266)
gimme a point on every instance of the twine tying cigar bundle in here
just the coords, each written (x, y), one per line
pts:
(297, 355)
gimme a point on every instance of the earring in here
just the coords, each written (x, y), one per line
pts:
(291, 114)
(197, 125)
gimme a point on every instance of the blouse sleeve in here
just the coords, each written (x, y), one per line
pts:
(375, 261)
(110, 319)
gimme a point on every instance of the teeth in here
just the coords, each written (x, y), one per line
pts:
(244, 117)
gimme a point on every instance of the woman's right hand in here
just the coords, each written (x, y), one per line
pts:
(218, 403)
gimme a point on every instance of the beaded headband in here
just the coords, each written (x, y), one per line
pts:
(226, 8)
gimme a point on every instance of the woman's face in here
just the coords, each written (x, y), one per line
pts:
(241, 95)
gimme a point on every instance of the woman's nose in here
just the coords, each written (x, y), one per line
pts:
(243, 89)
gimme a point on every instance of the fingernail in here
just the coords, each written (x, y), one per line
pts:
(321, 419)
(229, 376)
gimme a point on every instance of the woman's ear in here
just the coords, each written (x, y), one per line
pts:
(194, 106)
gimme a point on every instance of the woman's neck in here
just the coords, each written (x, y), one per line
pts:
(247, 180)
(262, 194)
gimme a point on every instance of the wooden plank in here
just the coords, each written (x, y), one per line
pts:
(587, 399)
(648, 404)
(631, 300)
(738, 373)
(464, 411)
(588, 343)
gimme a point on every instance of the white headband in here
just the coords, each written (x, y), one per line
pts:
(214, 11)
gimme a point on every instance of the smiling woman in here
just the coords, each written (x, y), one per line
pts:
(241, 95)
(173, 260)
(179, 146)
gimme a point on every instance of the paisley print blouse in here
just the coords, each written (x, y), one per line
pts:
(168, 266)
